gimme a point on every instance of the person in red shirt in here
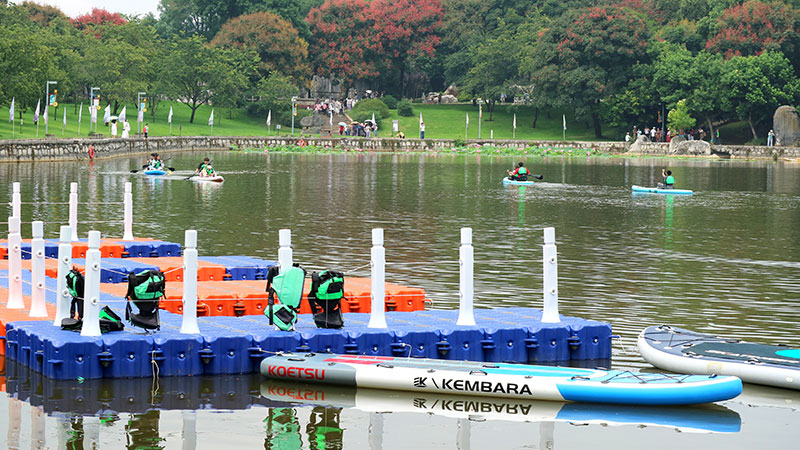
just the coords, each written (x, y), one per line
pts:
(520, 173)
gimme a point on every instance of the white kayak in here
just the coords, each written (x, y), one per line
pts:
(655, 190)
(680, 350)
(214, 179)
(518, 381)
(508, 180)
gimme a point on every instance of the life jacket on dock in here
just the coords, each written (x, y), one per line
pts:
(109, 320)
(288, 287)
(144, 291)
(325, 298)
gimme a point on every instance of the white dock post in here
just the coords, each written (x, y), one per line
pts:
(189, 430)
(38, 436)
(16, 200)
(14, 264)
(127, 234)
(91, 293)
(466, 292)
(63, 297)
(189, 321)
(38, 306)
(550, 274)
(73, 210)
(377, 317)
(284, 249)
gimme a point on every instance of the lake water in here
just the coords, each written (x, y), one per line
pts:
(725, 260)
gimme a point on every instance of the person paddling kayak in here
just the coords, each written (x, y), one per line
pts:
(669, 180)
(519, 174)
(205, 169)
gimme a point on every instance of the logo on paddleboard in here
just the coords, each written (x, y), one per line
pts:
(301, 373)
(486, 387)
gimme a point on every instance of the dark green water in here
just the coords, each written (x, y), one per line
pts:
(725, 260)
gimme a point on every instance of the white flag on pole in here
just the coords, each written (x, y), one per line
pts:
(480, 111)
(123, 114)
(269, 118)
(107, 115)
(467, 120)
(420, 119)
(11, 111)
(141, 114)
(330, 120)
(92, 113)
(169, 117)
(373, 119)
(80, 113)
(65, 116)
(36, 113)
(45, 114)
(211, 118)
(515, 121)
(564, 120)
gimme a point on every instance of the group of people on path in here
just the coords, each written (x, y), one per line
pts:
(126, 129)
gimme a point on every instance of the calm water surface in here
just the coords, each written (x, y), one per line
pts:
(725, 260)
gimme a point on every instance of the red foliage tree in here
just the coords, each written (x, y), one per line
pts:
(98, 16)
(341, 36)
(275, 40)
(357, 39)
(753, 27)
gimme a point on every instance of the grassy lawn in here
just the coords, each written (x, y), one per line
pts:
(227, 122)
(448, 122)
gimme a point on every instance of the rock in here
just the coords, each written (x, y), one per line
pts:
(786, 124)
(314, 120)
(636, 147)
(681, 146)
(451, 90)
(449, 99)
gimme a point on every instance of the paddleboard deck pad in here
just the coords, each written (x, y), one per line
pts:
(507, 180)
(501, 380)
(676, 349)
(652, 190)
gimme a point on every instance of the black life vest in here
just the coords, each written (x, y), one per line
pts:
(75, 283)
(325, 298)
(109, 321)
(144, 291)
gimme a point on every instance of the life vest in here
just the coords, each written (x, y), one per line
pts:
(288, 287)
(670, 180)
(522, 171)
(109, 321)
(75, 286)
(325, 298)
(208, 170)
(144, 291)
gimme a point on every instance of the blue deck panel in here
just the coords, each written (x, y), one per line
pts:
(236, 345)
(116, 270)
(242, 267)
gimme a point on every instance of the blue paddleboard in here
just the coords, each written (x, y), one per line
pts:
(652, 190)
(507, 180)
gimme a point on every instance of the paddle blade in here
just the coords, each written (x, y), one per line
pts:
(134, 171)
(538, 177)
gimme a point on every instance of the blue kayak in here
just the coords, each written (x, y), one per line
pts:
(155, 172)
(652, 190)
(507, 180)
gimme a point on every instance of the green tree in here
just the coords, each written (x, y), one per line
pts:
(679, 119)
(585, 57)
(196, 72)
(757, 85)
(274, 94)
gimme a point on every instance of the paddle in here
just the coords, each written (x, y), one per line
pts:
(538, 177)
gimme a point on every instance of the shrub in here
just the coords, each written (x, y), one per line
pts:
(390, 101)
(404, 108)
(464, 97)
(372, 105)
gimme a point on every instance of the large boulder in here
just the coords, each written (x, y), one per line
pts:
(449, 99)
(680, 146)
(786, 124)
(451, 90)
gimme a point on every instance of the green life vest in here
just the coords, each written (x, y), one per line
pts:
(327, 285)
(522, 171)
(144, 290)
(288, 287)
(670, 180)
(325, 298)
(208, 169)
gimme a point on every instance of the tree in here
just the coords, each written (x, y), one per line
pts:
(404, 29)
(756, 85)
(678, 118)
(25, 65)
(42, 14)
(342, 33)
(203, 17)
(585, 57)
(753, 27)
(196, 72)
(274, 95)
(98, 16)
(273, 39)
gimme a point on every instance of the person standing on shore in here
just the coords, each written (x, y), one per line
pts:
(771, 139)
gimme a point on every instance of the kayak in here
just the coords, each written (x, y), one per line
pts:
(214, 179)
(155, 172)
(508, 180)
(518, 381)
(676, 349)
(655, 190)
(705, 418)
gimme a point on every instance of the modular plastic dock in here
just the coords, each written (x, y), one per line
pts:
(236, 345)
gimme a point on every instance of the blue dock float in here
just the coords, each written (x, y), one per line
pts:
(236, 345)
(241, 267)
